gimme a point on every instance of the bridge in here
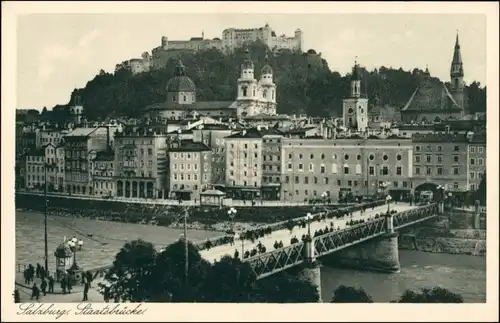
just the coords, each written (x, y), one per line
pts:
(369, 244)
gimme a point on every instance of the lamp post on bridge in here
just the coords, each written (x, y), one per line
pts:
(450, 195)
(231, 213)
(440, 198)
(309, 218)
(388, 200)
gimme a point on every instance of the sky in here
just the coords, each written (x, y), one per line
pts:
(59, 52)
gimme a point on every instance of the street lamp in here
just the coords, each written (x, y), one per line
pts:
(324, 196)
(231, 213)
(451, 204)
(309, 218)
(388, 200)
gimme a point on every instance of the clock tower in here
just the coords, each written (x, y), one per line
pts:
(355, 108)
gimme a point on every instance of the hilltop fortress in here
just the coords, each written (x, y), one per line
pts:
(231, 39)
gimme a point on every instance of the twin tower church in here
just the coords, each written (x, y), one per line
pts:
(254, 97)
(431, 101)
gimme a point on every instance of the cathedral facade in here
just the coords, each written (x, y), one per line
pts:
(255, 97)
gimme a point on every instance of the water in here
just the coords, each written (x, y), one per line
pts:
(461, 274)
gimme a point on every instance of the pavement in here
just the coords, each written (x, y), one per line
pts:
(76, 295)
(216, 253)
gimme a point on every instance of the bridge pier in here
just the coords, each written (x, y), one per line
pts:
(379, 254)
(310, 270)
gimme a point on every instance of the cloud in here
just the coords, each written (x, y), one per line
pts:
(54, 56)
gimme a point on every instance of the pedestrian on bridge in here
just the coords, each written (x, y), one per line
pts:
(37, 270)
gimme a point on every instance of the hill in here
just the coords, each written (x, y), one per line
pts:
(301, 88)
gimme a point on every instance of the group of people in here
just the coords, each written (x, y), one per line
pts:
(41, 272)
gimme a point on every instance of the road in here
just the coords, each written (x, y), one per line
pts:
(216, 253)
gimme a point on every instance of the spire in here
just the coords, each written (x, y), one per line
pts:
(203, 34)
(356, 75)
(247, 61)
(456, 63)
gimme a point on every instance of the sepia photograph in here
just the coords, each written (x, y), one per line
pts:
(246, 157)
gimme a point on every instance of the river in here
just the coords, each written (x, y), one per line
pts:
(461, 274)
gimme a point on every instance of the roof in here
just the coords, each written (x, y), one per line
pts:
(215, 126)
(190, 146)
(263, 116)
(251, 133)
(202, 105)
(212, 192)
(182, 132)
(36, 152)
(105, 156)
(479, 138)
(439, 137)
(81, 132)
(271, 132)
(430, 96)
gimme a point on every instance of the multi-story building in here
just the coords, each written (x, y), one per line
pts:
(271, 164)
(190, 166)
(312, 167)
(35, 169)
(77, 146)
(103, 172)
(140, 163)
(441, 159)
(244, 164)
(213, 136)
(51, 136)
(477, 159)
(136, 65)
(54, 161)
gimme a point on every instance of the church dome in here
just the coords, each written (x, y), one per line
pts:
(247, 62)
(180, 82)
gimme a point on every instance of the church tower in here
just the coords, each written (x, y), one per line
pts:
(247, 88)
(457, 76)
(268, 88)
(355, 108)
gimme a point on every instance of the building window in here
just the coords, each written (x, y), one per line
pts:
(385, 157)
(428, 170)
(334, 168)
(306, 192)
(395, 184)
(339, 182)
(385, 170)
(456, 148)
(428, 158)
(358, 157)
(322, 169)
(289, 166)
(472, 175)
(311, 167)
(371, 170)
(315, 180)
(455, 159)
(296, 180)
(480, 150)
(358, 169)
(472, 149)
(456, 171)
(440, 159)
(346, 157)
(440, 170)
(417, 159)
(306, 180)
(287, 179)
(399, 170)
(300, 156)
(472, 161)
(398, 157)
(455, 185)
(346, 169)
(325, 180)
(349, 183)
(289, 156)
(301, 167)
(312, 156)
(480, 161)
(439, 148)
(417, 148)
(428, 148)
(322, 156)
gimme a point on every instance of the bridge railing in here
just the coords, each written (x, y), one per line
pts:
(267, 264)
(336, 240)
(405, 218)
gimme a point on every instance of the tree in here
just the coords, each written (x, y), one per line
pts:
(349, 294)
(130, 276)
(284, 288)
(169, 274)
(435, 295)
(229, 281)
